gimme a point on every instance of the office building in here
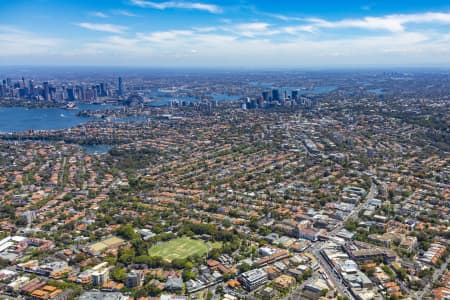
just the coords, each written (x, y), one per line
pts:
(133, 280)
(70, 94)
(120, 87)
(253, 279)
(275, 95)
(30, 89)
(103, 90)
(100, 277)
(46, 91)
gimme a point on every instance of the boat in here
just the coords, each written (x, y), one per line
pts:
(71, 105)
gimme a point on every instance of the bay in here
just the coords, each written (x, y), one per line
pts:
(16, 119)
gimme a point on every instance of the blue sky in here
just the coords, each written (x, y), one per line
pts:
(242, 34)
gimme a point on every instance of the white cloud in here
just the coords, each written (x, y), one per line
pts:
(299, 28)
(200, 48)
(125, 13)
(283, 17)
(252, 29)
(178, 4)
(310, 42)
(257, 26)
(367, 23)
(165, 36)
(98, 14)
(247, 30)
(393, 23)
(111, 45)
(206, 29)
(111, 28)
(23, 43)
(258, 43)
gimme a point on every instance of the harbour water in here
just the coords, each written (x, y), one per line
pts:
(97, 149)
(302, 91)
(164, 98)
(15, 119)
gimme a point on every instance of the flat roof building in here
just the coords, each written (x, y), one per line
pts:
(253, 279)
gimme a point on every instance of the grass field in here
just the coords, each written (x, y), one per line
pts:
(105, 244)
(179, 248)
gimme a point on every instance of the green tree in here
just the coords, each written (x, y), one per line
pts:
(244, 267)
(188, 274)
(127, 232)
(119, 274)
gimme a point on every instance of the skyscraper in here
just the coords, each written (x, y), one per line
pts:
(23, 92)
(265, 96)
(3, 88)
(97, 90)
(81, 92)
(46, 91)
(275, 95)
(260, 101)
(30, 89)
(120, 87)
(103, 89)
(70, 94)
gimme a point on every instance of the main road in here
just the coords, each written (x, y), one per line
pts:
(373, 191)
(437, 273)
(315, 249)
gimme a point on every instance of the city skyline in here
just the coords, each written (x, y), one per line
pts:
(236, 34)
(224, 150)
